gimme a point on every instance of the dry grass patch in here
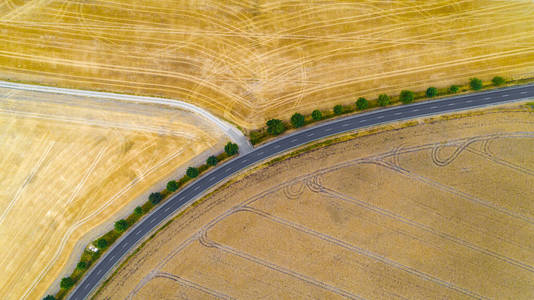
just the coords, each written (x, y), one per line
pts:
(251, 60)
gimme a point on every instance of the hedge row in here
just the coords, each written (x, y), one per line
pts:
(89, 257)
(276, 127)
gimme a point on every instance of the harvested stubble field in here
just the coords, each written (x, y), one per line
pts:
(251, 60)
(69, 164)
(439, 210)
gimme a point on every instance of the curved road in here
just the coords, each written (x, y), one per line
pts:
(197, 188)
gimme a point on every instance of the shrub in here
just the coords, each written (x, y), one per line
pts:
(362, 103)
(81, 265)
(431, 92)
(230, 149)
(475, 83)
(138, 210)
(101, 243)
(49, 297)
(172, 186)
(317, 115)
(406, 96)
(212, 161)
(498, 80)
(121, 225)
(66, 283)
(383, 100)
(297, 120)
(275, 127)
(191, 172)
(155, 198)
(454, 89)
(338, 109)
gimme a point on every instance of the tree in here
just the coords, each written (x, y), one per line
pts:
(121, 225)
(191, 172)
(275, 127)
(212, 161)
(172, 186)
(297, 120)
(317, 115)
(431, 92)
(81, 265)
(49, 297)
(406, 96)
(498, 80)
(66, 283)
(362, 103)
(231, 149)
(454, 89)
(475, 83)
(101, 243)
(138, 210)
(383, 100)
(338, 109)
(155, 198)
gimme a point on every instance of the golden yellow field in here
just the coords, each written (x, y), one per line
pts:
(69, 164)
(249, 60)
(439, 210)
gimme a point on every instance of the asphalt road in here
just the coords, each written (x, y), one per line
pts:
(192, 192)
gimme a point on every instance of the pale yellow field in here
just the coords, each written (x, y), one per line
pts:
(69, 164)
(440, 210)
(249, 60)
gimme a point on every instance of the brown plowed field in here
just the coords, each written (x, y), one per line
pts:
(249, 60)
(440, 210)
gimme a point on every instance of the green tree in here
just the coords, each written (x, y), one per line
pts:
(81, 265)
(297, 120)
(212, 161)
(121, 225)
(138, 211)
(317, 115)
(275, 127)
(498, 80)
(475, 83)
(431, 92)
(66, 283)
(338, 109)
(383, 100)
(406, 96)
(453, 89)
(155, 198)
(191, 172)
(231, 149)
(362, 103)
(49, 297)
(172, 186)
(101, 243)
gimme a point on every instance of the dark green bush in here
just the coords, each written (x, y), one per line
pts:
(231, 149)
(172, 186)
(155, 198)
(453, 89)
(212, 160)
(66, 283)
(81, 265)
(121, 225)
(275, 127)
(138, 210)
(475, 83)
(498, 80)
(101, 243)
(317, 115)
(297, 120)
(362, 103)
(406, 96)
(431, 92)
(383, 100)
(192, 172)
(338, 109)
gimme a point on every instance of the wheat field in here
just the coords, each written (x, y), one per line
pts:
(434, 210)
(250, 60)
(70, 164)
